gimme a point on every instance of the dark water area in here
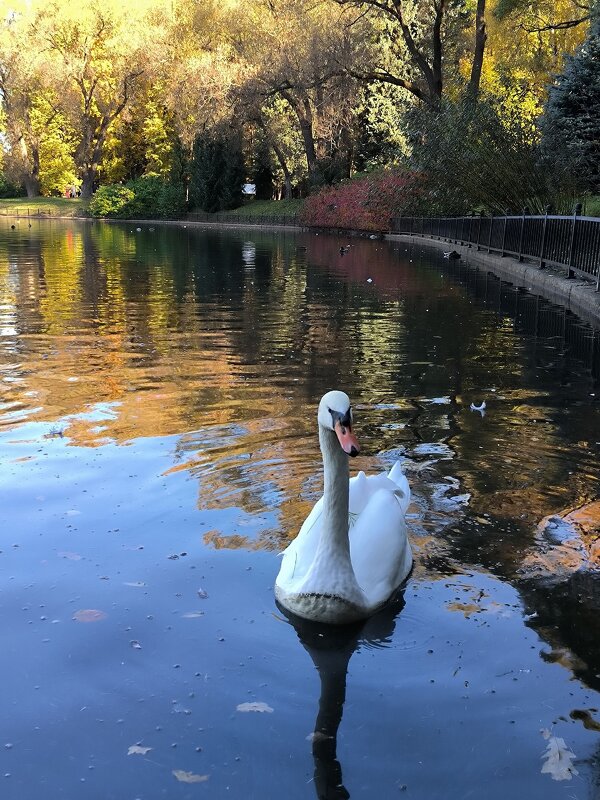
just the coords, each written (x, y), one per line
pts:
(158, 449)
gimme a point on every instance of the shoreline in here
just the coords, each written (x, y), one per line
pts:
(576, 294)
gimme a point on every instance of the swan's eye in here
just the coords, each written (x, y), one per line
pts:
(337, 418)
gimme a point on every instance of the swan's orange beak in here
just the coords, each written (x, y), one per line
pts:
(347, 439)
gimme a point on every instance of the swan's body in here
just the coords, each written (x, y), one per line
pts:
(352, 552)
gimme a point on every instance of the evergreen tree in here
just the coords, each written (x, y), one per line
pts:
(206, 173)
(571, 124)
(217, 172)
(263, 171)
(234, 173)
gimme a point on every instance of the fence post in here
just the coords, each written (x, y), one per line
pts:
(490, 234)
(576, 212)
(504, 236)
(411, 226)
(479, 229)
(523, 215)
(543, 244)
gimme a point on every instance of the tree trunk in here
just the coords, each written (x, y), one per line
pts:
(303, 111)
(88, 179)
(287, 193)
(31, 166)
(480, 39)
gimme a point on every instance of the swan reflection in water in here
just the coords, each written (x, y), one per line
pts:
(331, 648)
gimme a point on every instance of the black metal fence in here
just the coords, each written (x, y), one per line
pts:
(571, 242)
(233, 218)
(226, 218)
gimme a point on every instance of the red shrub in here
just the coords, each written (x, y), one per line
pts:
(364, 204)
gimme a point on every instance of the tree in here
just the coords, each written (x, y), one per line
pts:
(571, 123)
(100, 58)
(527, 43)
(298, 52)
(21, 87)
(418, 42)
(217, 172)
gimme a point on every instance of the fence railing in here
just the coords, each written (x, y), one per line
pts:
(571, 242)
(240, 219)
(22, 211)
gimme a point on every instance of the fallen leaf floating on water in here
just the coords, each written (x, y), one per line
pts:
(135, 644)
(70, 556)
(89, 615)
(202, 594)
(137, 750)
(135, 584)
(189, 777)
(260, 707)
(559, 759)
(193, 614)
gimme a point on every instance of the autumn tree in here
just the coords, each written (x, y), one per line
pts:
(298, 52)
(419, 41)
(100, 57)
(21, 82)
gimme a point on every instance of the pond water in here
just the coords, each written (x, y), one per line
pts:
(158, 449)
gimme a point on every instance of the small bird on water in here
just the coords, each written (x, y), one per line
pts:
(480, 409)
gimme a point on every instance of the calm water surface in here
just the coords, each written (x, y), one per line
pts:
(158, 449)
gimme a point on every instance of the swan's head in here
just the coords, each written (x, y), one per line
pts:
(335, 414)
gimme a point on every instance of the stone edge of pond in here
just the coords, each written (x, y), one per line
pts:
(576, 294)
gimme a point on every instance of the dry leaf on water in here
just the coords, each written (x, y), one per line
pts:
(89, 615)
(189, 777)
(71, 556)
(559, 759)
(137, 750)
(261, 707)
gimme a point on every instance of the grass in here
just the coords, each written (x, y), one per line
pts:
(43, 206)
(591, 206)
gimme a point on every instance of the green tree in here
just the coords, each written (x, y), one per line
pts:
(571, 124)
(217, 172)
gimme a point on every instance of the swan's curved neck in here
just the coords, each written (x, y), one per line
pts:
(335, 494)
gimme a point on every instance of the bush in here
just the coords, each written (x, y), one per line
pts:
(366, 203)
(149, 197)
(154, 197)
(109, 201)
(472, 159)
(8, 189)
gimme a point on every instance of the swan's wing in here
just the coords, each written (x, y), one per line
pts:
(299, 554)
(396, 474)
(379, 547)
(359, 494)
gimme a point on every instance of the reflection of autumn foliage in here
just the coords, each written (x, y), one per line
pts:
(363, 204)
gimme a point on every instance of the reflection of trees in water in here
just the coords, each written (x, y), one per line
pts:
(189, 330)
(331, 647)
(197, 331)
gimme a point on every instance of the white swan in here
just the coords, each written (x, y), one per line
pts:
(352, 552)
